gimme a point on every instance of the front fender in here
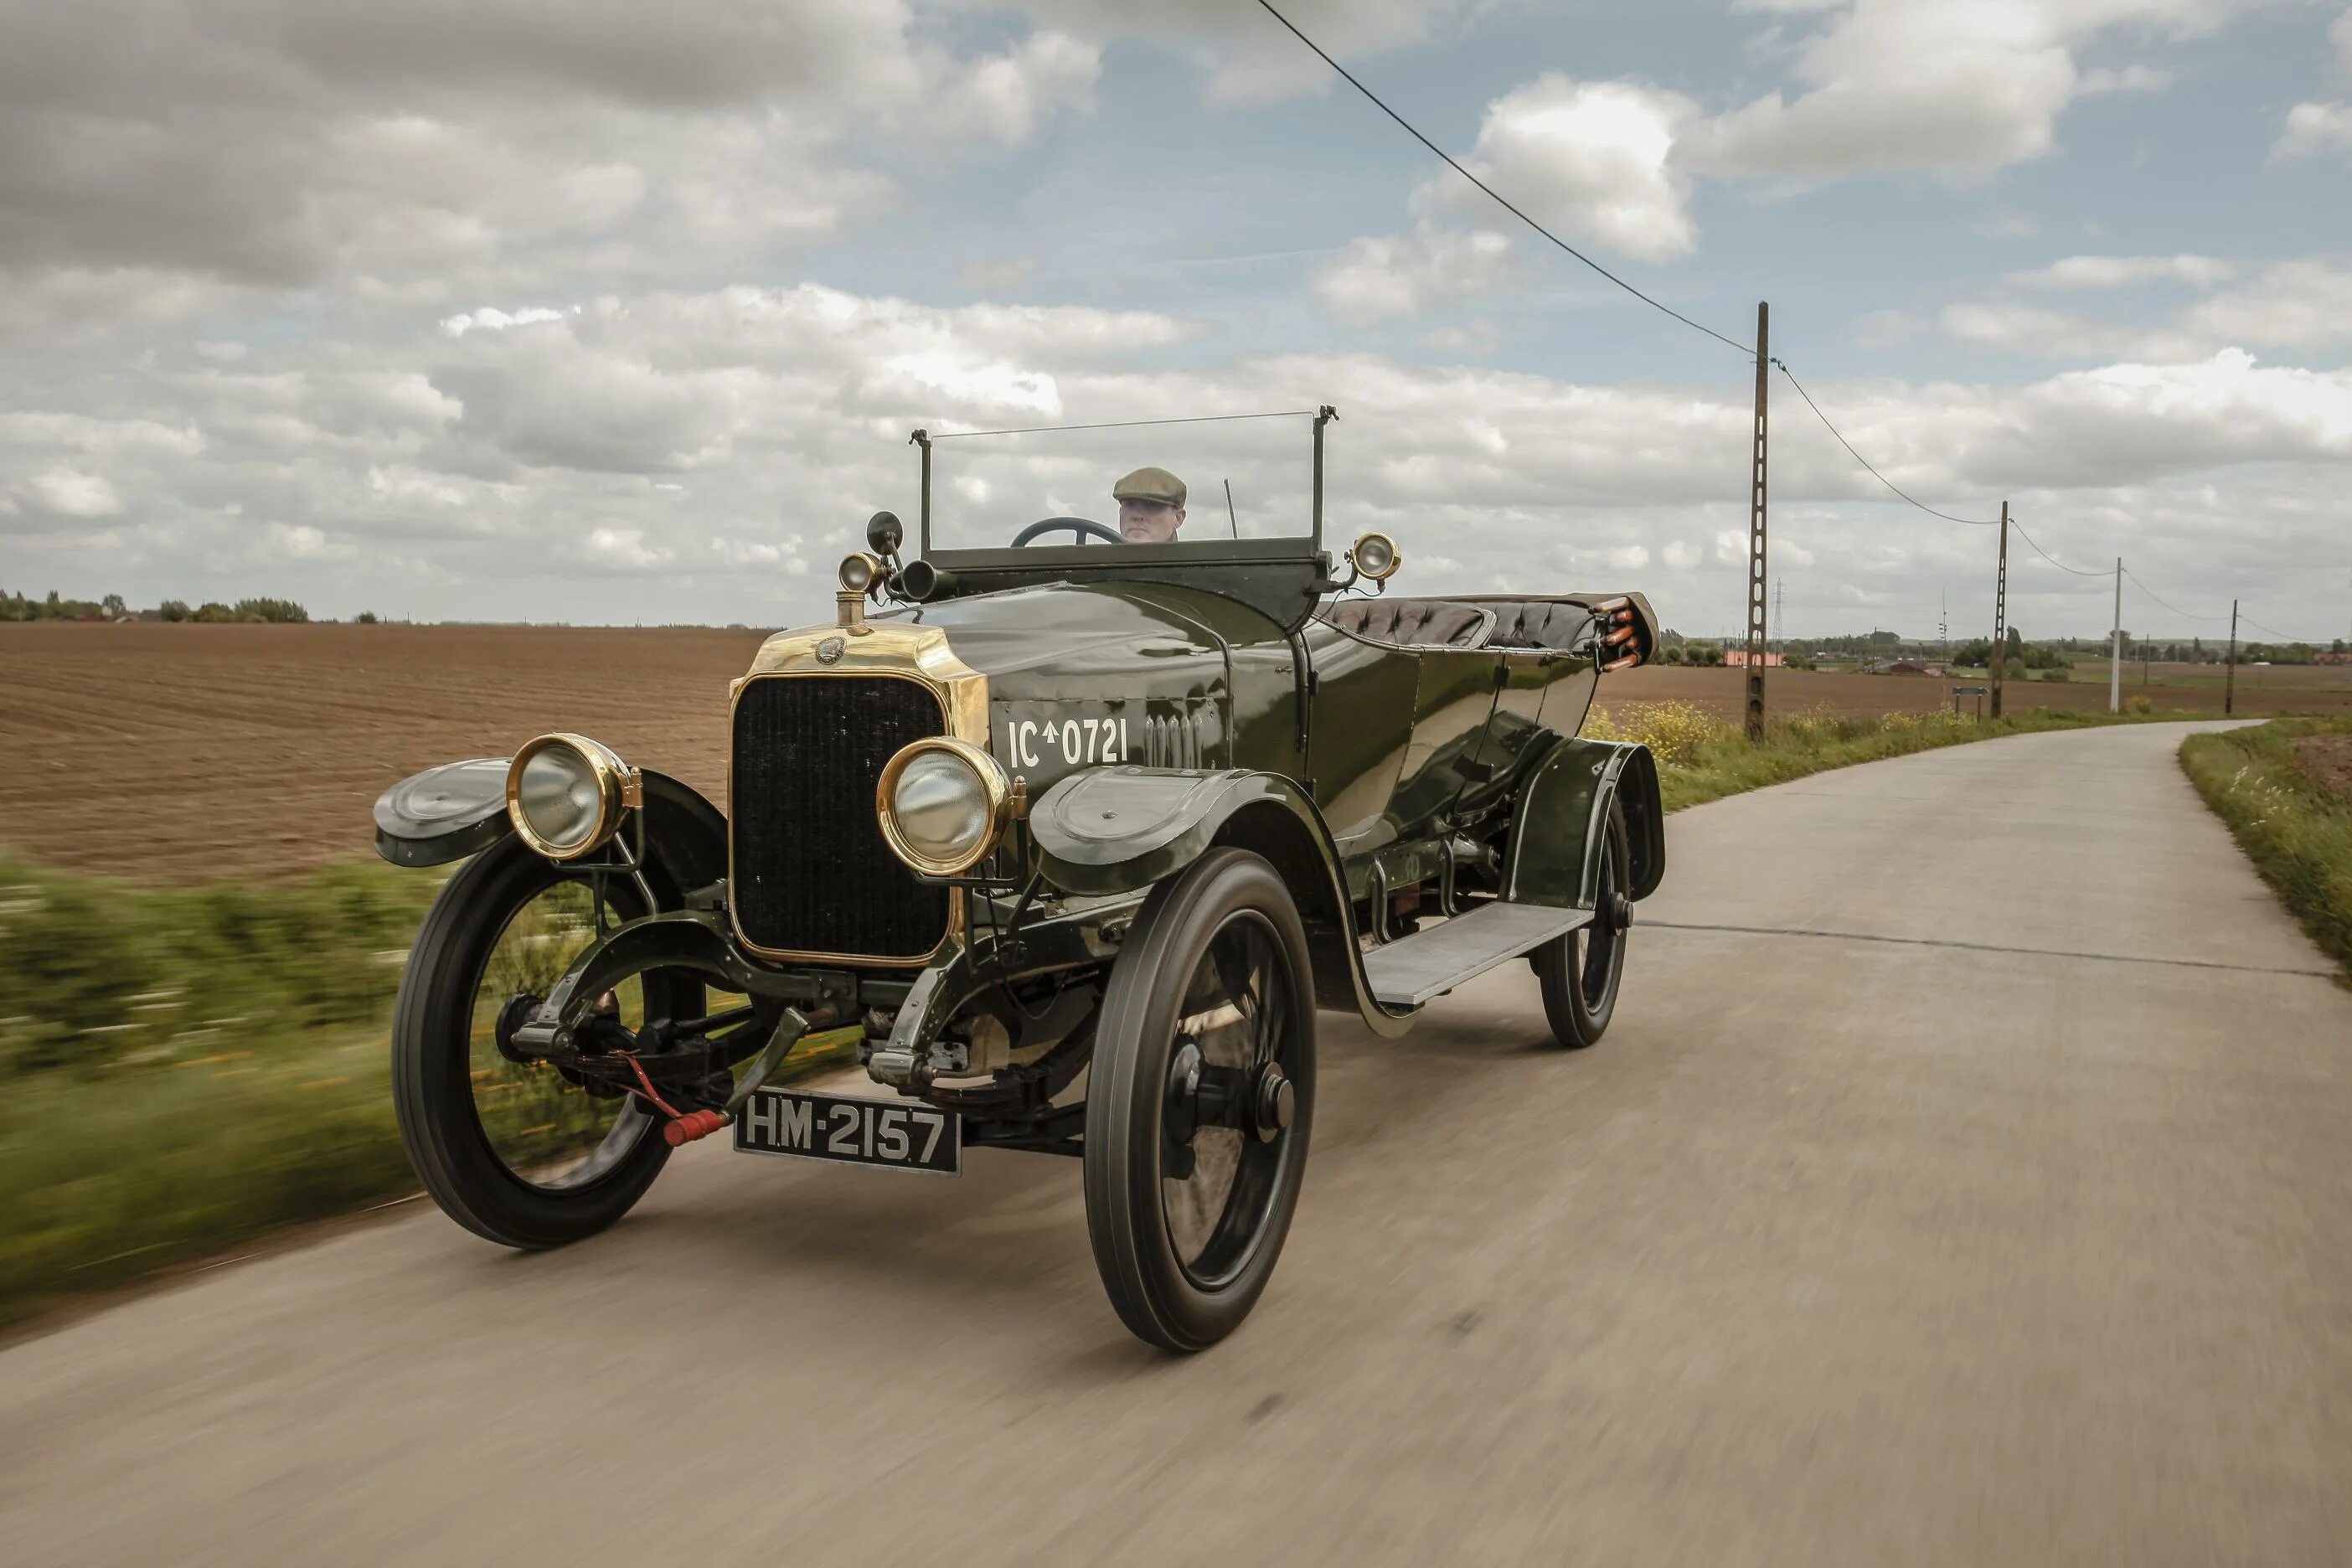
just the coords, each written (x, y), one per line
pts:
(458, 809)
(1122, 829)
(1556, 833)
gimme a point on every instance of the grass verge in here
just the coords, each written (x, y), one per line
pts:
(2294, 827)
(188, 1070)
(1701, 758)
(185, 1072)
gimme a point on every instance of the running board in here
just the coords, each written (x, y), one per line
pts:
(1409, 971)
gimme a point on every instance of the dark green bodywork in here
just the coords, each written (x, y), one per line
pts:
(1153, 715)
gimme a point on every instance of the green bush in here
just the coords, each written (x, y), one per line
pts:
(275, 611)
(98, 973)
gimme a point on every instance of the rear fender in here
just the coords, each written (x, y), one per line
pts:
(1117, 830)
(458, 809)
(1557, 834)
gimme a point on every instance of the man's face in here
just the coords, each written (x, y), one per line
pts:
(1148, 521)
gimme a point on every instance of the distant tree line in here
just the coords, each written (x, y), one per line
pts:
(54, 607)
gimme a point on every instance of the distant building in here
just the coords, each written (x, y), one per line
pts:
(1901, 666)
(1737, 659)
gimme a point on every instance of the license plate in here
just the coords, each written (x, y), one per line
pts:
(851, 1131)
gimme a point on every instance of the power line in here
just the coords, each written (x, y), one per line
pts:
(2186, 614)
(1881, 479)
(2313, 642)
(2054, 561)
(1499, 198)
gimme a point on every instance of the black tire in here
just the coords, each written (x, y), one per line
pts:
(433, 1093)
(1579, 973)
(1224, 932)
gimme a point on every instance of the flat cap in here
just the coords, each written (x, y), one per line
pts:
(1151, 484)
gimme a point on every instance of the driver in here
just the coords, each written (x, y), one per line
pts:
(1150, 506)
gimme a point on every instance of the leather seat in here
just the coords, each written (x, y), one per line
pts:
(1411, 623)
(1536, 622)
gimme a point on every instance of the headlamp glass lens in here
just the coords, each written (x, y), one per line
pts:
(940, 806)
(558, 797)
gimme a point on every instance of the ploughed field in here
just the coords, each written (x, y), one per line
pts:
(185, 752)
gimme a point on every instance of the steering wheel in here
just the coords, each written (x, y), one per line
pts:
(1078, 527)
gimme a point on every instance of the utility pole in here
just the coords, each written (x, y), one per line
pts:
(2229, 670)
(2116, 651)
(1779, 610)
(2000, 612)
(1756, 535)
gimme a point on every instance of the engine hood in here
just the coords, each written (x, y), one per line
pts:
(1098, 640)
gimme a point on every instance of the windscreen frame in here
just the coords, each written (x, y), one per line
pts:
(1174, 552)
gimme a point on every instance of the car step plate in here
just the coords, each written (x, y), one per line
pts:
(851, 1131)
(1411, 970)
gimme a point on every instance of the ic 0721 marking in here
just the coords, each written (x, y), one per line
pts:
(1073, 742)
(851, 1131)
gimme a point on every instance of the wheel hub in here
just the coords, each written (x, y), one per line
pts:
(1274, 1103)
(1617, 912)
(1183, 1098)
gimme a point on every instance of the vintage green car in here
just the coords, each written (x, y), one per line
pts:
(1064, 845)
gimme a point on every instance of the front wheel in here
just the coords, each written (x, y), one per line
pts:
(1579, 971)
(1198, 1100)
(515, 1151)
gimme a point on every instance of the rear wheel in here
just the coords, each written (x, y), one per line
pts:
(516, 1151)
(1579, 971)
(1198, 1101)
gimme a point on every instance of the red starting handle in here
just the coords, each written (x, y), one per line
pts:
(694, 1124)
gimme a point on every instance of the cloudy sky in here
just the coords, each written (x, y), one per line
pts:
(598, 310)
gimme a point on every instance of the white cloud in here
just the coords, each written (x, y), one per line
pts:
(623, 547)
(1590, 159)
(490, 319)
(2119, 271)
(1926, 85)
(72, 494)
(298, 542)
(1396, 275)
(2314, 130)
(1005, 98)
(2293, 304)
(466, 146)
(2298, 305)
(513, 473)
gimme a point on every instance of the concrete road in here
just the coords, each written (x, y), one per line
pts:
(1967, 1178)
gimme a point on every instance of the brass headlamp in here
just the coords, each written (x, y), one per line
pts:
(944, 805)
(566, 794)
